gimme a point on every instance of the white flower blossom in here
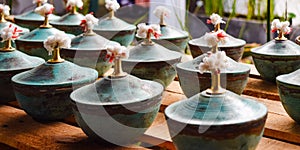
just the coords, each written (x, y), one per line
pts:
(213, 38)
(215, 19)
(72, 3)
(4, 9)
(59, 40)
(283, 26)
(117, 51)
(112, 5)
(45, 9)
(143, 29)
(39, 1)
(214, 62)
(90, 21)
(161, 10)
(9, 32)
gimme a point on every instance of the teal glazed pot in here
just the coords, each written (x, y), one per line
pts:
(32, 43)
(5, 24)
(44, 92)
(70, 23)
(225, 121)
(234, 78)
(117, 110)
(275, 58)
(32, 20)
(152, 62)
(116, 30)
(289, 92)
(12, 63)
(89, 51)
(234, 48)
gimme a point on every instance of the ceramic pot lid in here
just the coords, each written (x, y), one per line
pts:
(122, 90)
(113, 24)
(40, 34)
(291, 78)
(16, 60)
(278, 48)
(233, 66)
(33, 16)
(225, 109)
(5, 24)
(54, 74)
(69, 19)
(172, 33)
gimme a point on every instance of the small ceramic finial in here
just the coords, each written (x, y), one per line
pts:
(8, 34)
(116, 53)
(216, 20)
(53, 44)
(281, 27)
(145, 31)
(88, 23)
(4, 11)
(112, 6)
(72, 4)
(39, 2)
(161, 12)
(45, 10)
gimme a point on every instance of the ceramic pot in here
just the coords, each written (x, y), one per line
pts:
(275, 58)
(70, 23)
(124, 106)
(223, 121)
(89, 51)
(12, 63)
(234, 78)
(32, 42)
(289, 92)
(116, 30)
(152, 62)
(44, 92)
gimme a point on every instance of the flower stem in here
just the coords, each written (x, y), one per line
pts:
(56, 56)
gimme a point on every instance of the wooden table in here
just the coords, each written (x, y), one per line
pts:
(20, 131)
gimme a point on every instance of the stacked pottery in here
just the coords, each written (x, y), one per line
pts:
(31, 19)
(277, 57)
(216, 118)
(114, 28)
(151, 61)
(192, 81)
(12, 62)
(70, 22)
(32, 43)
(289, 92)
(118, 108)
(234, 48)
(89, 49)
(44, 92)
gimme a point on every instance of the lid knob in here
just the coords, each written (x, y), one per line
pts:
(112, 6)
(8, 34)
(88, 23)
(161, 12)
(215, 62)
(281, 28)
(216, 20)
(115, 54)
(146, 31)
(72, 4)
(54, 43)
(45, 10)
(4, 11)
(39, 2)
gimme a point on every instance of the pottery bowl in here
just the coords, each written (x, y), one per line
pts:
(70, 23)
(32, 20)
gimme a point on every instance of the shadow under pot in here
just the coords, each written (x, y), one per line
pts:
(12, 63)
(234, 48)
(32, 43)
(152, 62)
(89, 50)
(275, 58)
(44, 92)
(116, 30)
(289, 92)
(234, 78)
(123, 106)
(224, 121)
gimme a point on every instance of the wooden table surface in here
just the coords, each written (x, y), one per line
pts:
(20, 131)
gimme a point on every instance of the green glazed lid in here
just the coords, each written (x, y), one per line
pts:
(292, 78)
(152, 53)
(112, 91)
(54, 74)
(33, 16)
(16, 60)
(5, 24)
(216, 110)
(278, 48)
(69, 19)
(171, 33)
(114, 24)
